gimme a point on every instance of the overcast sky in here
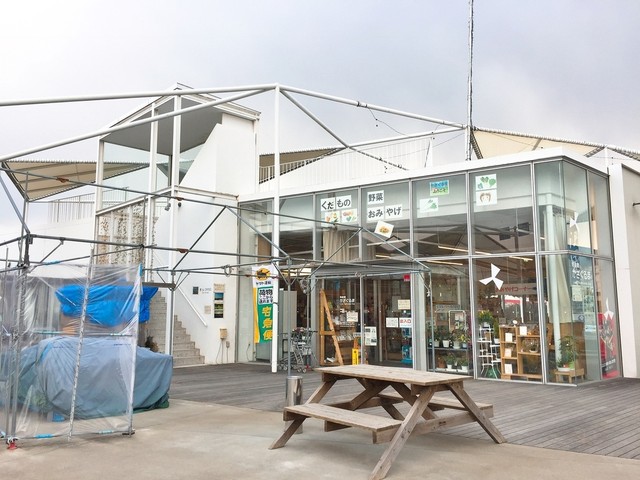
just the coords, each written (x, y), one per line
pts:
(566, 68)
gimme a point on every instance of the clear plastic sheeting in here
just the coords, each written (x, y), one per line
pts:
(68, 362)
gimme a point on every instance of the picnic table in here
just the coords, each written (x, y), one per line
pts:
(386, 387)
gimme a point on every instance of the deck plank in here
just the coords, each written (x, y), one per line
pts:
(598, 418)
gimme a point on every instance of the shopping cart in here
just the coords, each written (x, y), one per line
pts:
(301, 354)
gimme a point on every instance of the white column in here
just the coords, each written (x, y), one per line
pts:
(275, 237)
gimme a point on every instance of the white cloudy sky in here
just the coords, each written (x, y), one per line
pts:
(560, 68)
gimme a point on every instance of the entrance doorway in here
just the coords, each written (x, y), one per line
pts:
(371, 318)
(388, 311)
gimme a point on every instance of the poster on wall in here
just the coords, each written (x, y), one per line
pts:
(264, 282)
(439, 188)
(338, 209)
(392, 322)
(486, 189)
(426, 205)
(370, 336)
(608, 344)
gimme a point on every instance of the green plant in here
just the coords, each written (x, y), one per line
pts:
(463, 362)
(567, 351)
(451, 359)
(485, 317)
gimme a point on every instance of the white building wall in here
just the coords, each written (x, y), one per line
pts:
(225, 166)
(352, 165)
(625, 190)
(227, 162)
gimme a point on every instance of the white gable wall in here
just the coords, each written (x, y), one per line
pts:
(225, 166)
(625, 190)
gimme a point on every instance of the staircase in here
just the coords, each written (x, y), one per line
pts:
(185, 352)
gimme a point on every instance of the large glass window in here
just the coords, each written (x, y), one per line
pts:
(570, 318)
(609, 344)
(440, 219)
(509, 342)
(296, 233)
(255, 231)
(255, 247)
(386, 210)
(449, 335)
(502, 210)
(600, 216)
(563, 209)
(338, 218)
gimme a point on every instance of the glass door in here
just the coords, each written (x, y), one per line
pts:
(388, 324)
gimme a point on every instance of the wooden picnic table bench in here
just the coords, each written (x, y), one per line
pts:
(417, 388)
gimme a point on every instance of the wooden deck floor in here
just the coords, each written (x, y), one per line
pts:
(600, 418)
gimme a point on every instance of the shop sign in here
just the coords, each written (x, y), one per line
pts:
(264, 282)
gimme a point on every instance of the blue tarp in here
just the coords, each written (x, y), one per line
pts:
(48, 369)
(108, 305)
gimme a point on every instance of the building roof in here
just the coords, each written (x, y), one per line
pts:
(36, 179)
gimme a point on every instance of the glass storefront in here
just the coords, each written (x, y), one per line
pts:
(521, 274)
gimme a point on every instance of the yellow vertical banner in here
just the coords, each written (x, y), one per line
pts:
(264, 281)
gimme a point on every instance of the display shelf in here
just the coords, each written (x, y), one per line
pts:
(488, 352)
(520, 352)
(336, 335)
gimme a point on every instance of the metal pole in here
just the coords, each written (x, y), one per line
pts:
(276, 226)
(124, 96)
(470, 89)
(136, 123)
(356, 103)
(83, 320)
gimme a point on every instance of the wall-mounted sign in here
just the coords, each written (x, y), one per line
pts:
(404, 304)
(426, 205)
(370, 336)
(439, 188)
(391, 322)
(264, 282)
(383, 228)
(375, 197)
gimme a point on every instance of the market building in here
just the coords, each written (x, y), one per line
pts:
(511, 260)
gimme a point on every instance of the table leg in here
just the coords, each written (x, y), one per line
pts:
(403, 434)
(288, 433)
(481, 418)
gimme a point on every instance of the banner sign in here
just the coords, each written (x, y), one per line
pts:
(264, 282)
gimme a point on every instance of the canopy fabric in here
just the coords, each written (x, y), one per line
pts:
(55, 176)
(493, 143)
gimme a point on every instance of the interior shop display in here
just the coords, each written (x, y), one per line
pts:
(520, 352)
(338, 331)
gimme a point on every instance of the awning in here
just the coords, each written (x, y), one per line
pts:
(37, 179)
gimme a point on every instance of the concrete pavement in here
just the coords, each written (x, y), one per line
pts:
(195, 441)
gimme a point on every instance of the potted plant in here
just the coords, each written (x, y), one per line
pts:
(484, 318)
(464, 339)
(455, 338)
(437, 336)
(463, 364)
(446, 338)
(567, 349)
(451, 361)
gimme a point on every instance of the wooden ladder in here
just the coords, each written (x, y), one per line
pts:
(325, 312)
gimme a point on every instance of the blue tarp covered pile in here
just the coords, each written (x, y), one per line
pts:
(69, 351)
(50, 368)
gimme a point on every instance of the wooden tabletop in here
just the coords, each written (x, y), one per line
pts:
(392, 374)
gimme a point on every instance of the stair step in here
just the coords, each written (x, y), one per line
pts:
(188, 361)
(185, 352)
